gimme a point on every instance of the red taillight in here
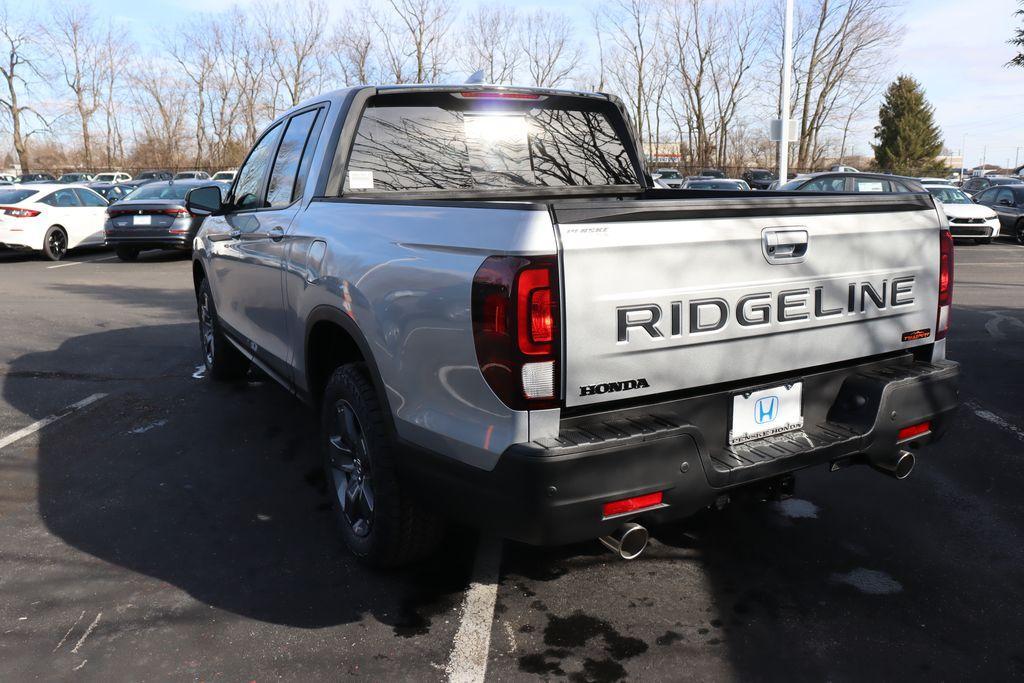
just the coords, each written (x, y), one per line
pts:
(914, 430)
(491, 95)
(16, 212)
(535, 309)
(515, 328)
(945, 284)
(619, 507)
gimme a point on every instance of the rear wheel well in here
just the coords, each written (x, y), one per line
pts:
(328, 347)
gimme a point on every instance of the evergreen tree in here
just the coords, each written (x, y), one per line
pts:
(908, 139)
(1018, 40)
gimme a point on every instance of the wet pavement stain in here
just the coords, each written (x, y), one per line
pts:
(669, 637)
(564, 634)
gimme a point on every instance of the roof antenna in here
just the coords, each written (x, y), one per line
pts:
(476, 78)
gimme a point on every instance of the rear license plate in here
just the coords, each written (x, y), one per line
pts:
(760, 413)
(142, 220)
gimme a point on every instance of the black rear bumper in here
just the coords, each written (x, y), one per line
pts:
(552, 491)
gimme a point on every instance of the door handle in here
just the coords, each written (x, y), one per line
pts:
(784, 245)
(276, 233)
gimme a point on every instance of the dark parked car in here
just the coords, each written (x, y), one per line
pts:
(758, 178)
(716, 184)
(112, 192)
(712, 173)
(1008, 202)
(192, 175)
(154, 217)
(35, 178)
(75, 178)
(853, 182)
(148, 177)
(976, 184)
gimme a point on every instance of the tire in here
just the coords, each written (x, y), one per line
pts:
(223, 361)
(127, 254)
(379, 521)
(1018, 232)
(55, 243)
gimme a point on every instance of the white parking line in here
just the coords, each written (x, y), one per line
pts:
(468, 660)
(989, 416)
(50, 419)
(65, 265)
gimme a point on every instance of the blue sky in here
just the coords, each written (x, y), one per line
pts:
(955, 48)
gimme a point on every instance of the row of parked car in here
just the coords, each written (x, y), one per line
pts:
(114, 177)
(984, 208)
(51, 218)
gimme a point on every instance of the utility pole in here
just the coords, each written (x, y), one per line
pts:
(1016, 159)
(784, 113)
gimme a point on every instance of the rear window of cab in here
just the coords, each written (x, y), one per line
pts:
(444, 141)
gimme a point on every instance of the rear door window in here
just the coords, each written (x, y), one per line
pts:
(446, 142)
(281, 189)
(62, 198)
(89, 198)
(1004, 196)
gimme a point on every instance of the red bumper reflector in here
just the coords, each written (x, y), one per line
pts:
(914, 430)
(617, 507)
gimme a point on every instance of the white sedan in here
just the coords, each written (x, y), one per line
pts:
(51, 218)
(967, 220)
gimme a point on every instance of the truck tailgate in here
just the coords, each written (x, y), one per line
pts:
(665, 295)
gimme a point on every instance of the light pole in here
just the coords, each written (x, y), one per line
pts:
(784, 113)
(963, 157)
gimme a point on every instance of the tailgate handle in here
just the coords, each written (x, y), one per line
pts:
(784, 245)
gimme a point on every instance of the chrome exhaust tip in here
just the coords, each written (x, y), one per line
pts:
(899, 465)
(628, 541)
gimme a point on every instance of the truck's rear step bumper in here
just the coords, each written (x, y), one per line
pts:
(552, 491)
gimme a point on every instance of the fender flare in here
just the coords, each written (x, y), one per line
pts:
(326, 313)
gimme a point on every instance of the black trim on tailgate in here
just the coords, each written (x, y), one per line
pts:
(688, 204)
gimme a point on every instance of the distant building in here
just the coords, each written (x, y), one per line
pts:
(952, 161)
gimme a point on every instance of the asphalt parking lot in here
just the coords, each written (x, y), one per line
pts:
(162, 527)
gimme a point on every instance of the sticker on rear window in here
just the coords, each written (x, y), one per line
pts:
(360, 180)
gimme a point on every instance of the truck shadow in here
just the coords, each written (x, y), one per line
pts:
(214, 489)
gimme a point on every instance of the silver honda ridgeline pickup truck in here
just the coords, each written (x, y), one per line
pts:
(502, 322)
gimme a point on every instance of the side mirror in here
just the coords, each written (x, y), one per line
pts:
(1004, 202)
(202, 201)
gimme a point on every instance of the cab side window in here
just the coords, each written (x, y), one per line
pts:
(282, 186)
(249, 187)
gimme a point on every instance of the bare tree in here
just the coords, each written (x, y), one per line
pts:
(489, 40)
(74, 37)
(354, 39)
(197, 59)
(838, 41)
(743, 41)
(298, 39)
(415, 31)
(632, 34)
(18, 61)
(115, 51)
(551, 53)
